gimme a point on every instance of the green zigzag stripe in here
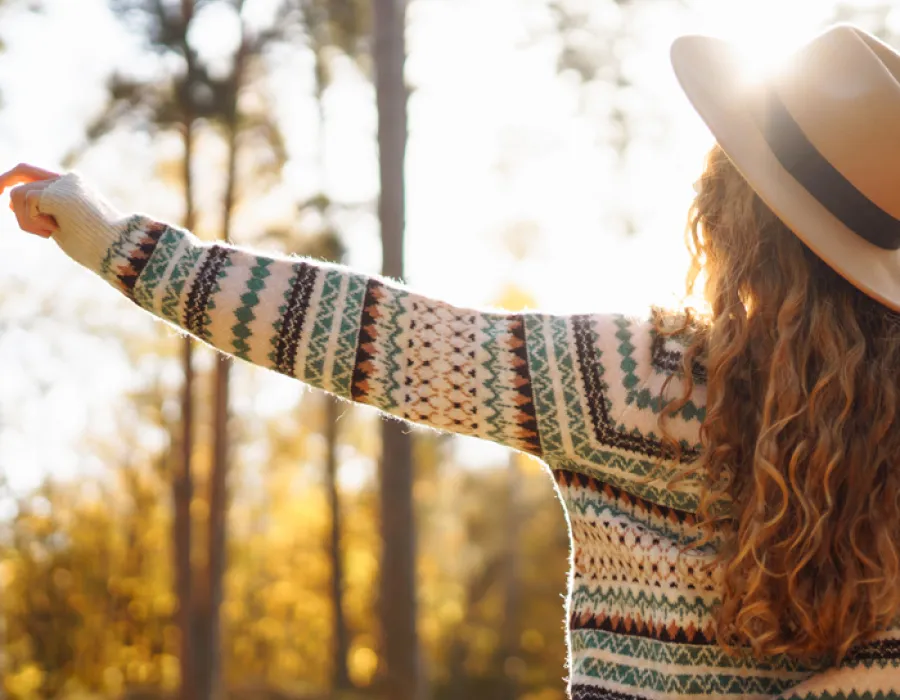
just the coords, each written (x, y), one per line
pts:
(348, 336)
(392, 343)
(674, 654)
(585, 599)
(495, 420)
(542, 387)
(175, 286)
(249, 300)
(589, 504)
(156, 267)
(675, 684)
(122, 246)
(611, 465)
(313, 371)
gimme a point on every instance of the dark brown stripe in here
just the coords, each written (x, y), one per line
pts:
(129, 273)
(567, 478)
(291, 324)
(527, 416)
(202, 288)
(365, 348)
(635, 628)
(670, 361)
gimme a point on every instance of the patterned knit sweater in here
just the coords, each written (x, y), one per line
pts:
(580, 392)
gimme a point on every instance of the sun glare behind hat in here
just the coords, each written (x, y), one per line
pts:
(819, 141)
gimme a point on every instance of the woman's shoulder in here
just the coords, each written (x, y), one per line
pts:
(642, 345)
(600, 383)
(642, 357)
(615, 372)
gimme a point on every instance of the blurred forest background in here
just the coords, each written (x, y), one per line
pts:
(177, 526)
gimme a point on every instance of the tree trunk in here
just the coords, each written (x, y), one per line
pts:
(341, 642)
(340, 675)
(218, 509)
(390, 56)
(218, 494)
(182, 483)
(398, 589)
(509, 635)
(182, 493)
(398, 584)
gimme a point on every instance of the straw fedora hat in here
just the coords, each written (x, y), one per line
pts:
(818, 140)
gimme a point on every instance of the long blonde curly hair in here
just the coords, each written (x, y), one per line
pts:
(801, 439)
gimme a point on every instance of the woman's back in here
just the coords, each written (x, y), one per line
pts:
(642, 605)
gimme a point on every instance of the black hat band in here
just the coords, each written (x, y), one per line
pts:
(822, 180)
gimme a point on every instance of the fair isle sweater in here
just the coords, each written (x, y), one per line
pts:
(580, 392)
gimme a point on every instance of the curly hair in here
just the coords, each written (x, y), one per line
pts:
(800, 463)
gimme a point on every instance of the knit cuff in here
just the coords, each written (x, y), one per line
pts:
(88, 224)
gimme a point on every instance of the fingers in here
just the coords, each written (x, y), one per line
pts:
(24, 173)
(24, 201)
(47, 223)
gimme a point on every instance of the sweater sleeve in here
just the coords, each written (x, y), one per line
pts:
(360, 337)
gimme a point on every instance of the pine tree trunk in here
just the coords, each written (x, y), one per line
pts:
(398, 584)
(398, 589)
(319, 19)
(182, 483)
(218, 510)
(341, 642)
(182, 493)
(218, 493)
(509, 635)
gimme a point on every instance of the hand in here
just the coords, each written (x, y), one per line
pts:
(25, 198)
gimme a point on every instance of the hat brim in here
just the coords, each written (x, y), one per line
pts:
(709, 71)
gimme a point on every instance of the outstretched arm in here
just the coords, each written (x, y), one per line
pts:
(361, 337)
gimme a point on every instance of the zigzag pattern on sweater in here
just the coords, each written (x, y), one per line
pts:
(587, 493)
(331, 290)
(149, 280)
(642, 614)
(643, 679)
(670, 654)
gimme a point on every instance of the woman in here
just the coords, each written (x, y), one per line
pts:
(730, 474)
